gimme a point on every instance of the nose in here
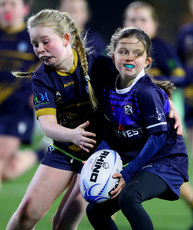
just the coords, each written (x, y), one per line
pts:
(40, 49)
(130, 56)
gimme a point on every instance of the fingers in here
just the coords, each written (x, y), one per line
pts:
(177, 124)
(179, 131)
(84, 125)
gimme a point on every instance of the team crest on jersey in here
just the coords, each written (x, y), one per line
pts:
(58, 97)
(128, 109)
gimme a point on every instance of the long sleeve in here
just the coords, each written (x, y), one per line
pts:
(152, 146)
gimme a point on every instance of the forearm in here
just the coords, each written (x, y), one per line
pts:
(53, 130)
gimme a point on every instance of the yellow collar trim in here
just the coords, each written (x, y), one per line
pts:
(12, 30)
(71, 71)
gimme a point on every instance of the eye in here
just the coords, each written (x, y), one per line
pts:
(45, 42)
(138, 53)
(35, 45)
(122, 52)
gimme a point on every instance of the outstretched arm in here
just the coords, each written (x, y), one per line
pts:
(79, 136)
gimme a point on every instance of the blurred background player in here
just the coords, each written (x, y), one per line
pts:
(16, 106)
(185, 52)
(166, 64)
(81, 13)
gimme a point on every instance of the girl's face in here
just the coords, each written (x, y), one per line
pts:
(12, 13)
(130, 57)
(141, 18)
(78, 9)
(50, 48)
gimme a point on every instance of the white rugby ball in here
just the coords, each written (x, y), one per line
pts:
(96, 180)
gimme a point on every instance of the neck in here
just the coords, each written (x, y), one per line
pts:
(125, 82)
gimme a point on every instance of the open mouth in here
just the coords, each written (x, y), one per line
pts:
(8, 16)
(129, 66)
(45, 59)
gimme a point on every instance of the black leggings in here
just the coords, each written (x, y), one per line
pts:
(143, 186)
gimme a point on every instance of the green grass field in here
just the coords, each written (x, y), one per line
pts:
(165, 215)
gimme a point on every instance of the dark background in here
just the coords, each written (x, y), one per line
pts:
(107, 15)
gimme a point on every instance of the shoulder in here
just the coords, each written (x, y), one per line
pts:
(101, 64)
(42, 73)
(158, 42)
(186, 28)
(146, 88)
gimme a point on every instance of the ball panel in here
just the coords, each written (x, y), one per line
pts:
(96, 180)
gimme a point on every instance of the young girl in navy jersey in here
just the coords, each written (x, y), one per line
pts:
(63, 89)
(140, 130)
(62, 95)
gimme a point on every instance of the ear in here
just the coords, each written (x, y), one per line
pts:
(148, 62)
(66, 39)
(113, 58)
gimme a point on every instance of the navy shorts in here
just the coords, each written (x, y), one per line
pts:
(57, 159)
(17, 117)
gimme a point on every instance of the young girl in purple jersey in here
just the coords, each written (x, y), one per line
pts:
(140, 130)
(62, 95)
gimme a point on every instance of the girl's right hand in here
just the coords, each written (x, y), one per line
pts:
(82, 138)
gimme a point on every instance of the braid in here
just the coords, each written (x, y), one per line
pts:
(79, 44)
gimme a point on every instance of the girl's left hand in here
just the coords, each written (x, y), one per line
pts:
(119, 187)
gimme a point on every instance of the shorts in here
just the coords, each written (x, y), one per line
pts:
(17, 117)
(57, 159)
(170, 175)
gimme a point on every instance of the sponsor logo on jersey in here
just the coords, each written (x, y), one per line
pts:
(41, 98)
(69, 84)
(130, 132)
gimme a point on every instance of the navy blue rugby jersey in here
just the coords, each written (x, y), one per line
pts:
(185, 52)
(166, 64)
(136, 112)
(16, 54)
(66, 96)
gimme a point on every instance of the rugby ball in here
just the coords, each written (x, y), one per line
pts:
(96, 180)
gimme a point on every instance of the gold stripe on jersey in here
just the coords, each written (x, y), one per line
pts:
(178, 72)
(17, 54)
(45, 111)
(154, 72)
(7, 91)
(12, 30)
(74, 148)
(71, 71)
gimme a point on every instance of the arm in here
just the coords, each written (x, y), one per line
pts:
(78, 136)
(152, 146)
(174, 114)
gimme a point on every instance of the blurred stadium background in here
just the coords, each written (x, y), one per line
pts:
(106, 17)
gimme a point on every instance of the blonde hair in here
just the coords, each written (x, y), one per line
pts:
(62, 23)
